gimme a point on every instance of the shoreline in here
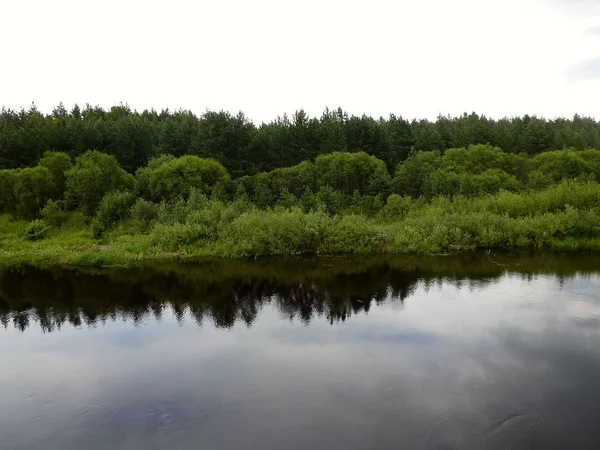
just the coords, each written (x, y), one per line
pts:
(106, 256)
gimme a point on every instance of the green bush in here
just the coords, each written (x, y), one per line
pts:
(330, 200)
(58, 164)
(32, 189)
(354, 234)
(263, 233)
(55, 214)
(114, 207)
(94, 175)
(176, 178)
(144, 211)
(142, 175)
(349, 172)
(180, 236)
(397, 207)
(287, 200)
(8, 201)
(98, 229)
(411, 174)
(564, 165)
(36, 230)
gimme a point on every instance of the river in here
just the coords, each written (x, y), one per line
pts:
(421, 352)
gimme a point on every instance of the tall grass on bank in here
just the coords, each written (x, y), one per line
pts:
(565, 216)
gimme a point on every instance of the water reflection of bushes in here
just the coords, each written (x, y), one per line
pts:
(226, 292)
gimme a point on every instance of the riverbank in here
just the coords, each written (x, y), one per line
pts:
(564, 217)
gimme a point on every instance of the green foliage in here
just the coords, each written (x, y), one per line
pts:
(114, 207)
(449, 184)
(58, 164)
(142, 175)
(565, 164)
(287, 200)
(194, 222)
(464, 198)
(489, 182)
(349, 172)
(8, 180)
(133, 137)
(176, 178)
(262, 193)
(32, 189)
(98, 229)
(144, 211)
(330, 199)
(55, 214)
(397, 207)
(411, 174)
(286, 232)
(479, 158)
(565, 216)
(36, 230)
(94, 175)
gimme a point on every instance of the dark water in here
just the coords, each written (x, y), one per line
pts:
(498, 352)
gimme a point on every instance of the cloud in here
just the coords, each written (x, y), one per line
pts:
(574, 9)
(584, 70)
(593, 31)
(576, 5)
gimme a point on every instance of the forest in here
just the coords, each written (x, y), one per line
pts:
(244, 148)
(118, 187)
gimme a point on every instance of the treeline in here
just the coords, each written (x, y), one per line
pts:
(244, 148)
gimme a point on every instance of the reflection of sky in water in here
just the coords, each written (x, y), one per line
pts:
(515, 362)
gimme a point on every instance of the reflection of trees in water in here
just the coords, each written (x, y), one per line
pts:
(80, 299)
(226, 293)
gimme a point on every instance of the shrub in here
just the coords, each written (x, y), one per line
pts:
(36, 230)
(93, 175)
(354, 234)
(114, 207)
(562, 164)
(144, 211)
(397, 207)
(98, 229)
(286, 232)
(411, 174)
(262, 194)
(441, 182)
(8, 201)
(32, 189)
(287, 200)
(58, 164)
(54, 213)
(142, 175)
(177, 177)
(179, 236)
(330, 200)
(347, 172)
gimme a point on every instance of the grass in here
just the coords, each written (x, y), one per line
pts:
(565, 217)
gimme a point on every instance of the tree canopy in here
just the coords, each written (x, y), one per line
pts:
(243, 148)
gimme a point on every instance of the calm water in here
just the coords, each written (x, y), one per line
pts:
(498, 352)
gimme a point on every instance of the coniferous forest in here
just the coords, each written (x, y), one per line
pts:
(96, 187)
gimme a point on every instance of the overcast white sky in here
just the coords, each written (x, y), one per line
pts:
(265, 57)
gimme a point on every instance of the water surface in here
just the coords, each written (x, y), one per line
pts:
(482, 352)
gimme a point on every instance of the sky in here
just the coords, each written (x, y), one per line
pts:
(412, 58)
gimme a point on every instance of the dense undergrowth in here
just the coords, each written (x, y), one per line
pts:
(92, 212)
(565, 216)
